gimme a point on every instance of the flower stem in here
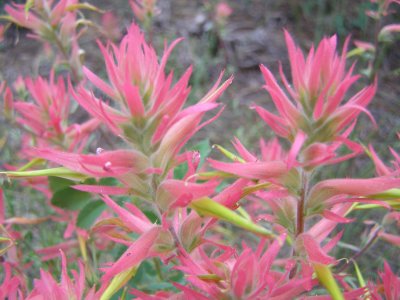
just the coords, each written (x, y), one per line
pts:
(300, 214)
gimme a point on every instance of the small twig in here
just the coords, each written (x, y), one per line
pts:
(359, 253)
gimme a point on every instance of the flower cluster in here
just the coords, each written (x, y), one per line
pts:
(56, 24)
(153, 208)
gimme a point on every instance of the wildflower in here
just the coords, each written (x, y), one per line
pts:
(385, 35)
(47, 117)
(382, 9)
(28, 20)
(312, 111)
(8, 103)
(42, 16)
(56, 23)
(149, 115)
(47, 287)
(245, 276)
(222, 12)
(11, 287)
(389, 286)
(333, 191)
(144, 10)
(110, 26)
(248, 166)
(117, 163)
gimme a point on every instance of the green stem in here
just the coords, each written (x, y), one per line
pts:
(300, 214)
(157, 266)
(60, 46)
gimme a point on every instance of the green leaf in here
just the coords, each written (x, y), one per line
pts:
(109, 181)
(204, 149)
(360, 277)
(389, 194)
(56, 183)
(70, 199)
(58, 172)
(229, 154)
(325, 277)
(117, 282)
(180, 171)
(152, 216)
(210, 208)
(33, 162)
(28, 6)
(84, 5)
(88, 215)
(355, 52)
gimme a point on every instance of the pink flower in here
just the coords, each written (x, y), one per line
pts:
(382, 9)
(28, 20)
(386, 32)
(11, 287)
(248, 166)
(144, 9)
(8, 102)
(333, 191)
(178, 193)
(110, 26)
(40, 14)
(389, 286)
(222, 11)
(381, 168)
(48, 288)
(149, 113)
(144, 247)
(121, 164)
(314, 104)
(46, 117)
(56, 24)
(245, 276)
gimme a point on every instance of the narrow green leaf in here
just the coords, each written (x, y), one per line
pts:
(4, 239)
(243, 213)
(325, 277)
(6, 18)
(84, 5)
(58, 172)
(212, 174)
(229, 154)
(32, 163)
(204, 149)
(109, 181)
(88, 215)
(208, 207)
(253, 188)
(387, 195)
(180, 171)
(28, 6)
(70, 199)
(117, 282)
(359, 275)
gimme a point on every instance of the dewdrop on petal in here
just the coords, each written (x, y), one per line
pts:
(107, 166)
(99, 150)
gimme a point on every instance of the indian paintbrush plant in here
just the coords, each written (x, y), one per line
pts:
(154, 208)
